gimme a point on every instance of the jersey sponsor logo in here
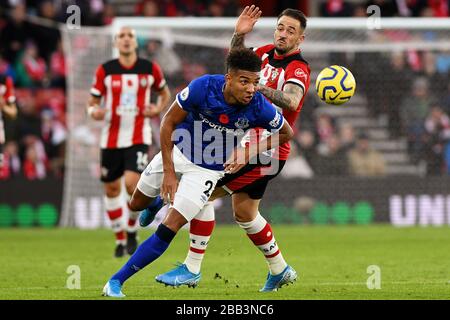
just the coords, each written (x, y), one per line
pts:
(299, 73)
(276, 121)
(241, 123)
(221, 128)
(184, 94)
(127, 105)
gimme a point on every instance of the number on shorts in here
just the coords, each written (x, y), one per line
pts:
(209, 184)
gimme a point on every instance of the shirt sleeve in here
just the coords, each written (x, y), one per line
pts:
(158, 75)
(98, 85)
(191, 97)
(10, 96)
(298, 73)
(270, 118)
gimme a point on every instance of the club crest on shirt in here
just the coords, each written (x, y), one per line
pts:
(143, 82)
(241, 123)
(184, 94)
(274, 75)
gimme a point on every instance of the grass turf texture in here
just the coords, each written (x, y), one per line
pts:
(332, 262)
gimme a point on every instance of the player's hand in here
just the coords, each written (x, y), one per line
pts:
(97, 113)
(151, 111)
(247, 19)
(238, 159)
(169, 187)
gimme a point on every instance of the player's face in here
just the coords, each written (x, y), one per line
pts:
(242, 85)
(126, 41)
(288, 35)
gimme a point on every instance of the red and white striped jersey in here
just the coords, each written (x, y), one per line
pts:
(7, 94)
(276, 72)
(126, 92)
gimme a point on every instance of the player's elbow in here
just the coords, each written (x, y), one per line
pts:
(287, 133)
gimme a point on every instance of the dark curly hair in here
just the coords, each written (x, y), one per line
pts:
(243, 59)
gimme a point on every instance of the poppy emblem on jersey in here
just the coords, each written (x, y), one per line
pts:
(274, 75)
(299, 73)
(241, 123)
(223, 118)
(143, 82)
(130, 83)
(184, 94)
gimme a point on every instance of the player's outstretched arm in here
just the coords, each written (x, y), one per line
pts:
(244, 25)
(172, 118)
(288, 99)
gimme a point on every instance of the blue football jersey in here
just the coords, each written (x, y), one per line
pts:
(213, 128)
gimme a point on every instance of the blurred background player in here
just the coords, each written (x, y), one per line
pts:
(125, 84)
(210, 105)
(285, 78)
(7, 107)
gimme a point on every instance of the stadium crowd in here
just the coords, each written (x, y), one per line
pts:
(417, 103)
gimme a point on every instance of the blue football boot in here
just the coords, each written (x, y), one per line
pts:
(148, 214)
(179, 276)
(273, 283)
(113, 288)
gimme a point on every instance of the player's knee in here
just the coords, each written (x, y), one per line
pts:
(174, 220)
(244, 216)
(112, 190)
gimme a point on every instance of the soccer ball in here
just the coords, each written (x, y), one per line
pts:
(335, 85)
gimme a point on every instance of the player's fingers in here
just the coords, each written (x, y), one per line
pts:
(250, 10)
(254, 12)
(244, 12)
(258, 15)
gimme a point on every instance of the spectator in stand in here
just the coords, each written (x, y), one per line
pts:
(6, 68)
(15, 33)
(53, 135)
(58, 68)
(149, 9)
(437, 127)
(108, 14)
(306, 146)
(446, 99)
(46, 37)
(365, 161)
(31, 69)
(336, 8)
(436, 80)
(35, 162)
(324, 128)
(332, 161)
(413, 111)
(11, 161)
(347, 136)
(398, 85)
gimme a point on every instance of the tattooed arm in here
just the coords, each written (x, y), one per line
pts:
(244, 25)
(288, 99)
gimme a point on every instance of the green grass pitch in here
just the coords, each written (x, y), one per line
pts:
(332, 262)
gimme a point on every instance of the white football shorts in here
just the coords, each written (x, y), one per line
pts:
(196, 184)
